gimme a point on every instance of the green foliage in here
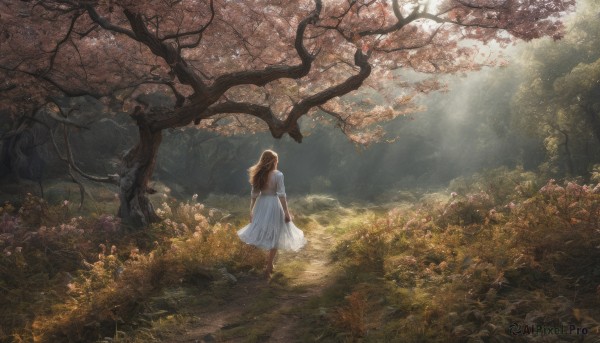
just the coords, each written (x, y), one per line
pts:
(465, 269)
(83, 277)
(459, 266)
(559, 99)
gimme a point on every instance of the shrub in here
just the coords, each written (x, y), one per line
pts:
(465, 268)
(85, 276)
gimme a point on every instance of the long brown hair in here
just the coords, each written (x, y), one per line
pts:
(259, 173)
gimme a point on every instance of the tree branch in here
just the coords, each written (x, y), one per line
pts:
(290, 125)
(269, 74)
(350, 84)
(196, 32)
(68, 157)
(166, 51)
(203, 100)
(414, 46)
(107, 25)
(61, 42)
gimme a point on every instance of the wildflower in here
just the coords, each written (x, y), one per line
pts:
(66, 203)
(113, 250)
(453, 194)
(194, 197)
(573, 188)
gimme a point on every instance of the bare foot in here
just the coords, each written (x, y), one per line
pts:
(268, 272)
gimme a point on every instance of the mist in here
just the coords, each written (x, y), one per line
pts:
(462, 131)
(473, 218)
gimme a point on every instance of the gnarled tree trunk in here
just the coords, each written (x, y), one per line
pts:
(137, 168)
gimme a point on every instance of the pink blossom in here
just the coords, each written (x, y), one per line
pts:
(573, 188)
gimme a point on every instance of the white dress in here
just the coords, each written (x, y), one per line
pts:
(268, 229)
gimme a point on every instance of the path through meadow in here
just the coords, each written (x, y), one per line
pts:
(254, 309)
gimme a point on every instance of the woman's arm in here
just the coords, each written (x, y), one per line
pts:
(254, 193)
(252, 202)
(283, 201)
(282, 198)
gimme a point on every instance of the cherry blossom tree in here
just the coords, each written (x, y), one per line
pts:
(236, 66)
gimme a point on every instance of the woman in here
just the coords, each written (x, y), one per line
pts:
(271, 224)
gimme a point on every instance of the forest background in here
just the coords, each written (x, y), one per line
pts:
(508, 154)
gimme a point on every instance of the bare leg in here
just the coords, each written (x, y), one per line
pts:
(270, 260)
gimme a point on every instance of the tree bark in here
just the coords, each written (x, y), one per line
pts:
(569, 156)
(593, 120)
(137, 168)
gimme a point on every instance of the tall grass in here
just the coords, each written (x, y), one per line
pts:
(467, 266)
(67, 278)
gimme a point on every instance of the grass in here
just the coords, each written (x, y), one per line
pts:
(450, 267)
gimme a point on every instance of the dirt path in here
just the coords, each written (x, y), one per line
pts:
(257, 310)
(313, 278)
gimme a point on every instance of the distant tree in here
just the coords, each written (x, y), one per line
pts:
(559, 101)
(237, 66)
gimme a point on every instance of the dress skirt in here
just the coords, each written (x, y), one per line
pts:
(268, 229)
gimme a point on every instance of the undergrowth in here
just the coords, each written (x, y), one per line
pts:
(480, 264)
(67, 278)
(488, 260)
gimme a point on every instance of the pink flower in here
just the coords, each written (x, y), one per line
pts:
(453, 194)
(66, 203)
